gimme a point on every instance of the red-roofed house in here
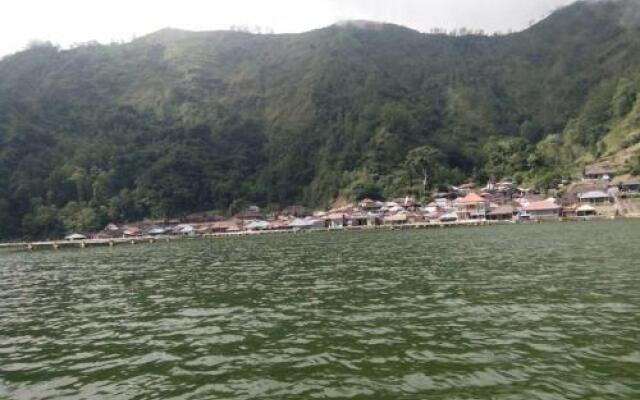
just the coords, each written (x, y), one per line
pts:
(472, 206)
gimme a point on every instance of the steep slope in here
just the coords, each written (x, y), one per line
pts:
(179, 121)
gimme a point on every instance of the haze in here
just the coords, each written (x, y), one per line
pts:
(66, 22)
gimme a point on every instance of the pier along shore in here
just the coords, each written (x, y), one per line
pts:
(85, 243)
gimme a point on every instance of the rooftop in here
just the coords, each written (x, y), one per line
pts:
(545, 205)
(472, 198)
(595, 194)
(599, 170)
(626, 180)
(503, 210)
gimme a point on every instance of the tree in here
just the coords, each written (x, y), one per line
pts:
(79, 217)
(363, 185)
(624, 97)
(633, 165)
(423, 161)
(238, 206)
(43, 222)
(506, 156)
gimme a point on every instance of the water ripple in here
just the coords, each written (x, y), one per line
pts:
(514, 312)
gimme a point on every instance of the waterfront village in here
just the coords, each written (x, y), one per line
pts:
(599, 194)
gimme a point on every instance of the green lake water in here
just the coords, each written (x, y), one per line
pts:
(547, 311)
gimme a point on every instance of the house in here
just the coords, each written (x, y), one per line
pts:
(346, 209)
(370, 205)
(203, 229)
(499, 196)
(415, 218)
(336, 220)
(389, 205)
(431, 208)
(407, 203)
(279, 225)
(443, 203)
(627, 184)
(586, 210)
(365, 219)
(396, 219)
(433, 217)
(472, 206)
(507, 184)
(571, 196)
(599, 172)
(359, 219)
(465, 188)
(297, 211)
(594, 197)
(307, 223)
(502, 213)
(395, 209)
(570, 211)
(252, 213)
(541, 210)
(530, 198)
(184, 229)
(231, 225)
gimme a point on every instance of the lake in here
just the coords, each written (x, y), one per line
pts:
(544, 311)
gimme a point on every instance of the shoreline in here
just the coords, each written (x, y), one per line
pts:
(81, 244)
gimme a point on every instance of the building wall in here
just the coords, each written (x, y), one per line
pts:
(544, 214)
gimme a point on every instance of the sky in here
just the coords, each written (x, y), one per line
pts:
(69, 22)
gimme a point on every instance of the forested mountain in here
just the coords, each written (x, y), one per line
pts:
(178, 122)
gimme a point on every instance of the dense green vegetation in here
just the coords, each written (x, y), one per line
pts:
(178, 122)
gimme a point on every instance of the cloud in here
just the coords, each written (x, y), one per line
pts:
(71, 21)
(489, 15)
(631, 15)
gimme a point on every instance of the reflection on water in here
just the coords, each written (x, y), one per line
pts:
(545, 311)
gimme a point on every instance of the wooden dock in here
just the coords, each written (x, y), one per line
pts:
(86, 243)
(81, 244)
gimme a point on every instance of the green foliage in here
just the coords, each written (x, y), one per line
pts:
(594, 120)
(506, 156)
(532, 131)
(631, 140)
(423, 162)
(79, 217)
(43, 222)
(633, 165)
(238, 206)
(624, 97)
(362, 185)
(549, 163)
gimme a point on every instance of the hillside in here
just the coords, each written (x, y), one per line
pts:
(177, 122)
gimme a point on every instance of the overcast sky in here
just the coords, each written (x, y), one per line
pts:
(66, 22)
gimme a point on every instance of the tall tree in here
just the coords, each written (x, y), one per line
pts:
(423, 161)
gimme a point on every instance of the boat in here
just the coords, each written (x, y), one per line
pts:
(75, 236)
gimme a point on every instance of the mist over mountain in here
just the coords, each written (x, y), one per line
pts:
(177, 122)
